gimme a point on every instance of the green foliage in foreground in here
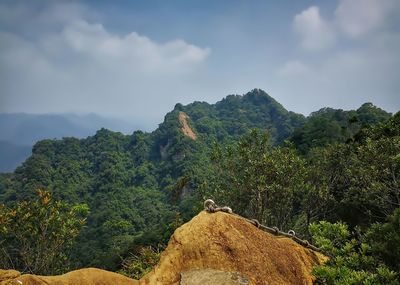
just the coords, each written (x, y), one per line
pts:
(354, 256)
(35, 236)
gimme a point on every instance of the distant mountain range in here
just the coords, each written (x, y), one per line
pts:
(20, 131)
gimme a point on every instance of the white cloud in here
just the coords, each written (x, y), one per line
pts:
(347, 77)
(352, 18)
(356, 18)
(315, 32)
(138, 53)
(293, 68)
(81, 66)
(59, 56)
(361, 66)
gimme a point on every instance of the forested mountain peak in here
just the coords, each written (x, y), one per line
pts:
(235, 114)
(256, 96)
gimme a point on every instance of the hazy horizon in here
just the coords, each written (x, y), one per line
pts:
(142, 125)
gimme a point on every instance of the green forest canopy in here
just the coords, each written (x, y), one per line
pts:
(334, 165)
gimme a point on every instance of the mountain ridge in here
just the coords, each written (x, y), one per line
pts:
(147, 176)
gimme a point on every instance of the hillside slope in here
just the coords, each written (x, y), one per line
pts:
(148, 177)
(19, 132)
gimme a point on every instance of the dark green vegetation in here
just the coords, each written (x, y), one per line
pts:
(359, 257)
(328, 126)
(249, 153)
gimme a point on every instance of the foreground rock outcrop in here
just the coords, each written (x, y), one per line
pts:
(216, 248)
(229, 244)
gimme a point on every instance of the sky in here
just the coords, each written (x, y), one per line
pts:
(135, 60)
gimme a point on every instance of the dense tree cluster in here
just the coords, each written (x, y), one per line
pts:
(251, 154)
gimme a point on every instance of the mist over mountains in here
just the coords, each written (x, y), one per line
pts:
(20, 131)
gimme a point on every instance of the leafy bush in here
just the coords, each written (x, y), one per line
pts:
(351, 258)
(35, 235)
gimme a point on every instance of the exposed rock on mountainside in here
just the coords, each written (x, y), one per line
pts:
(214, 248)
(187, 131)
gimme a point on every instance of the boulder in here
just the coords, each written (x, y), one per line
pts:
(227, 243)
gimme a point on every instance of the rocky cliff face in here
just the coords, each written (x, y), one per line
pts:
(216, 248)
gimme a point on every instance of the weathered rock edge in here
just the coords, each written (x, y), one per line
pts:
(228, 243)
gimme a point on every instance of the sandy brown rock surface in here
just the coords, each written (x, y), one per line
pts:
(227, 243)
(187, 131)
(87, 276)
(210, 247)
